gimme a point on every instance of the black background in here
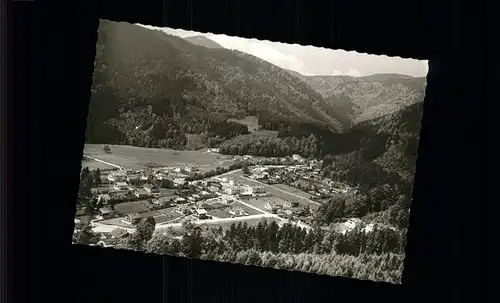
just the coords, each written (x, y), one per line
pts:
(54, 48)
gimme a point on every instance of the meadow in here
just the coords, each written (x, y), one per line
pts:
(141, 157)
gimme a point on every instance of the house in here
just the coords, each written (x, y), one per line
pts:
(259, 190)
(133, 177)
(105, 212)
(117, 177)
(160, 176)
(270, 206)
(201, 213)
(180, 200)
(263, 175)
(246, 190)
(133, 218)
(103, 198)
(297, 158)
(141, 193)
(151, 189)
(108, 242)
(144, 177)
(213, 183)
(190, 168)
(119, 233)
(161, 201)
(213, 150)
(179, 181)
(120, 186)
(177, 169)
(287, 203)
(232, 190)
(352, 223)
(237, 212)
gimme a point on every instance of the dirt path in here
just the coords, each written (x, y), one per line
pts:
(104, 162)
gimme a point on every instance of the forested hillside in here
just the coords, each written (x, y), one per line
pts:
(156, 90)
(356, 99)
(151, 89)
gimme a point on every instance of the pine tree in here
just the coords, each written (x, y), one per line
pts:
(143, 233)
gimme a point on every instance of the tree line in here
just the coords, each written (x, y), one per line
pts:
(374, 255)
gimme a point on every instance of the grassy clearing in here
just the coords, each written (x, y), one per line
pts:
(141, 157)
(259, 202)
(293, 190)
(132, 207)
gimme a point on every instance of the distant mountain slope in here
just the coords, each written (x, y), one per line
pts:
(152, 78)
(386, 146)
(357, 99)
(204, 41)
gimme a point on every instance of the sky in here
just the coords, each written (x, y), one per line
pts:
(311, 60)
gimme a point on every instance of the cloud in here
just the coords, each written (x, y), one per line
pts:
(309, 60)
(353, 72)
(262, 50)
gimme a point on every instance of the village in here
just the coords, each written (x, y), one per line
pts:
(283, 189)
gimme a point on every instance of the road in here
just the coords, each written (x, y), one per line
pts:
(219, 220)
(100, 227)
(104, 162)
(225, 174)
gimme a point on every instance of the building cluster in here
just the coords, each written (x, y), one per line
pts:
(304, 175)
(200, 199)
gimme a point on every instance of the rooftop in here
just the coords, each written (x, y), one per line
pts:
(201, 211)
(118, 233)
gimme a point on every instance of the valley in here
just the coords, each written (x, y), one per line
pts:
(204, 148)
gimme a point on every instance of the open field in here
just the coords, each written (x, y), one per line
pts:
(293, 190)
(260, 202)
(117, 222)
(219, 213)
(132, 207)
(245, 208)
(140, 157)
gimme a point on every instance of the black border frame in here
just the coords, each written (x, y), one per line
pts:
(451, 37)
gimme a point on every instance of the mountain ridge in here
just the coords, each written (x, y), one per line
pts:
(204, 41)
(357, 99)
(140, 72)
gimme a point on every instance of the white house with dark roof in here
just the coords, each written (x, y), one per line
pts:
(201, 213)
(120, 186)
(103, 198)
(179, 181)
(117, 177)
